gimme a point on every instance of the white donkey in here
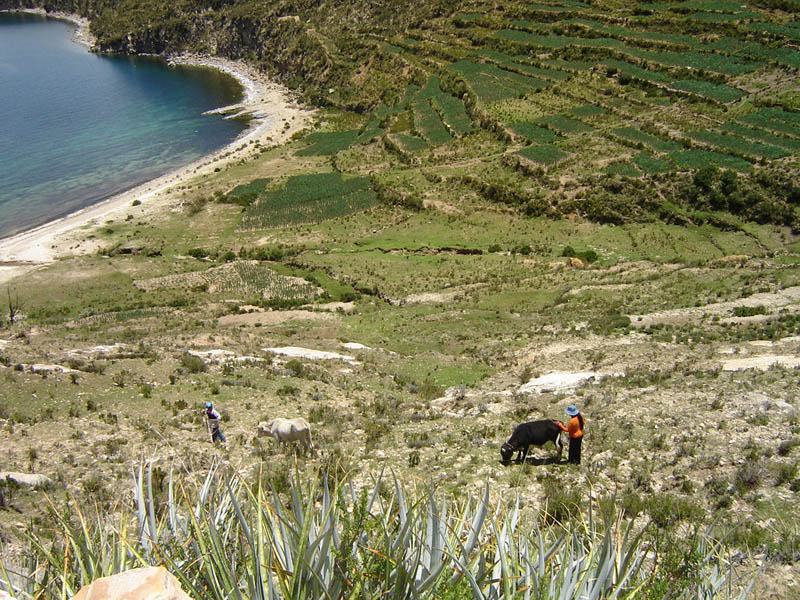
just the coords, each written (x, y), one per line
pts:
(288, 430)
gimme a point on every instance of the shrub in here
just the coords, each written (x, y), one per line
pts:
(430, 389)
(785, 447)
(749, 311)
(587, 256)
(748, 476)
(192, 363)
(561, 503)
(287, 390)
(667, 510)
(297, 368)
(785, 473)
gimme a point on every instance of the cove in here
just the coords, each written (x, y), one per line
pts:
(77, 127)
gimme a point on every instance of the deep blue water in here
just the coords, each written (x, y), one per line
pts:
(76, 127)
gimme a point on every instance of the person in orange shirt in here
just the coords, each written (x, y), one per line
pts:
(575, 430)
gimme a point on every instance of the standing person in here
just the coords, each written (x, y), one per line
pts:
(213, 422)
(575, 430)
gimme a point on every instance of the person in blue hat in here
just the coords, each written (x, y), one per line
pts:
(575, 430)
(212, 422)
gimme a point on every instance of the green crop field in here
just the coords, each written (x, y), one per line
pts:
(762, 121)
(453, 114)
(731, 6)
(634, 34)
(781, 115)
(651, 141)
(714, 91)
(711, 17)
(790, 31)
(634, 71)
(739, 145)
(697, 159)
(428, 122)
(246, 193)
(725, 65)
(309, 199)
(587, 111)
(652, 165)
(327, 143)
(624, 169)
(489, 82)
(760, 135)
(568, 65)
(534, 133)
(410, 143)
(543, 155)
(522, 64)
(563, 124)
(369, 133)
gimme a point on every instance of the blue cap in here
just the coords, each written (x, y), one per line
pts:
(572, 410)
(208, 404)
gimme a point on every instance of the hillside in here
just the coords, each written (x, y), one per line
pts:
(501, 210)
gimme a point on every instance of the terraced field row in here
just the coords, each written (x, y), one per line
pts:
(309, 199)
(490, 83)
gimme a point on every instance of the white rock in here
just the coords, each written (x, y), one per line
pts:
(33, 480)
(296, 352)
(355, 346)
(561, 380)
(779, 406)
(40, 368)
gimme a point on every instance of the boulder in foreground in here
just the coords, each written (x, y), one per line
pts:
(147, 583)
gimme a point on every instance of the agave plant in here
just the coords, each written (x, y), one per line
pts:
(224, 538)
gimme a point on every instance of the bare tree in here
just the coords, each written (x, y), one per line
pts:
(14, 306)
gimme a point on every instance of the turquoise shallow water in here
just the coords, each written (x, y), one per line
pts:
(76, 127)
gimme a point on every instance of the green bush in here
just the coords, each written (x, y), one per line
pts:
(587, 256)
(192, 363)
(430, 389)
(748, 475)
(749, 311)
(667, 510)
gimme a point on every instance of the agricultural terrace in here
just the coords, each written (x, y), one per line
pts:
(575, 90)
(309, 199)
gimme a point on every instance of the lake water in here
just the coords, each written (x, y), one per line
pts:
(76, 127)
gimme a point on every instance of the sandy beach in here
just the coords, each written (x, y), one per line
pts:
(275, 118)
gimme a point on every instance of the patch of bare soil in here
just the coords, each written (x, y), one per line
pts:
(444, 296)
(439, 205)
(275, 317)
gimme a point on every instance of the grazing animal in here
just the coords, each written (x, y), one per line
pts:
(534, 433)
(288, 430)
